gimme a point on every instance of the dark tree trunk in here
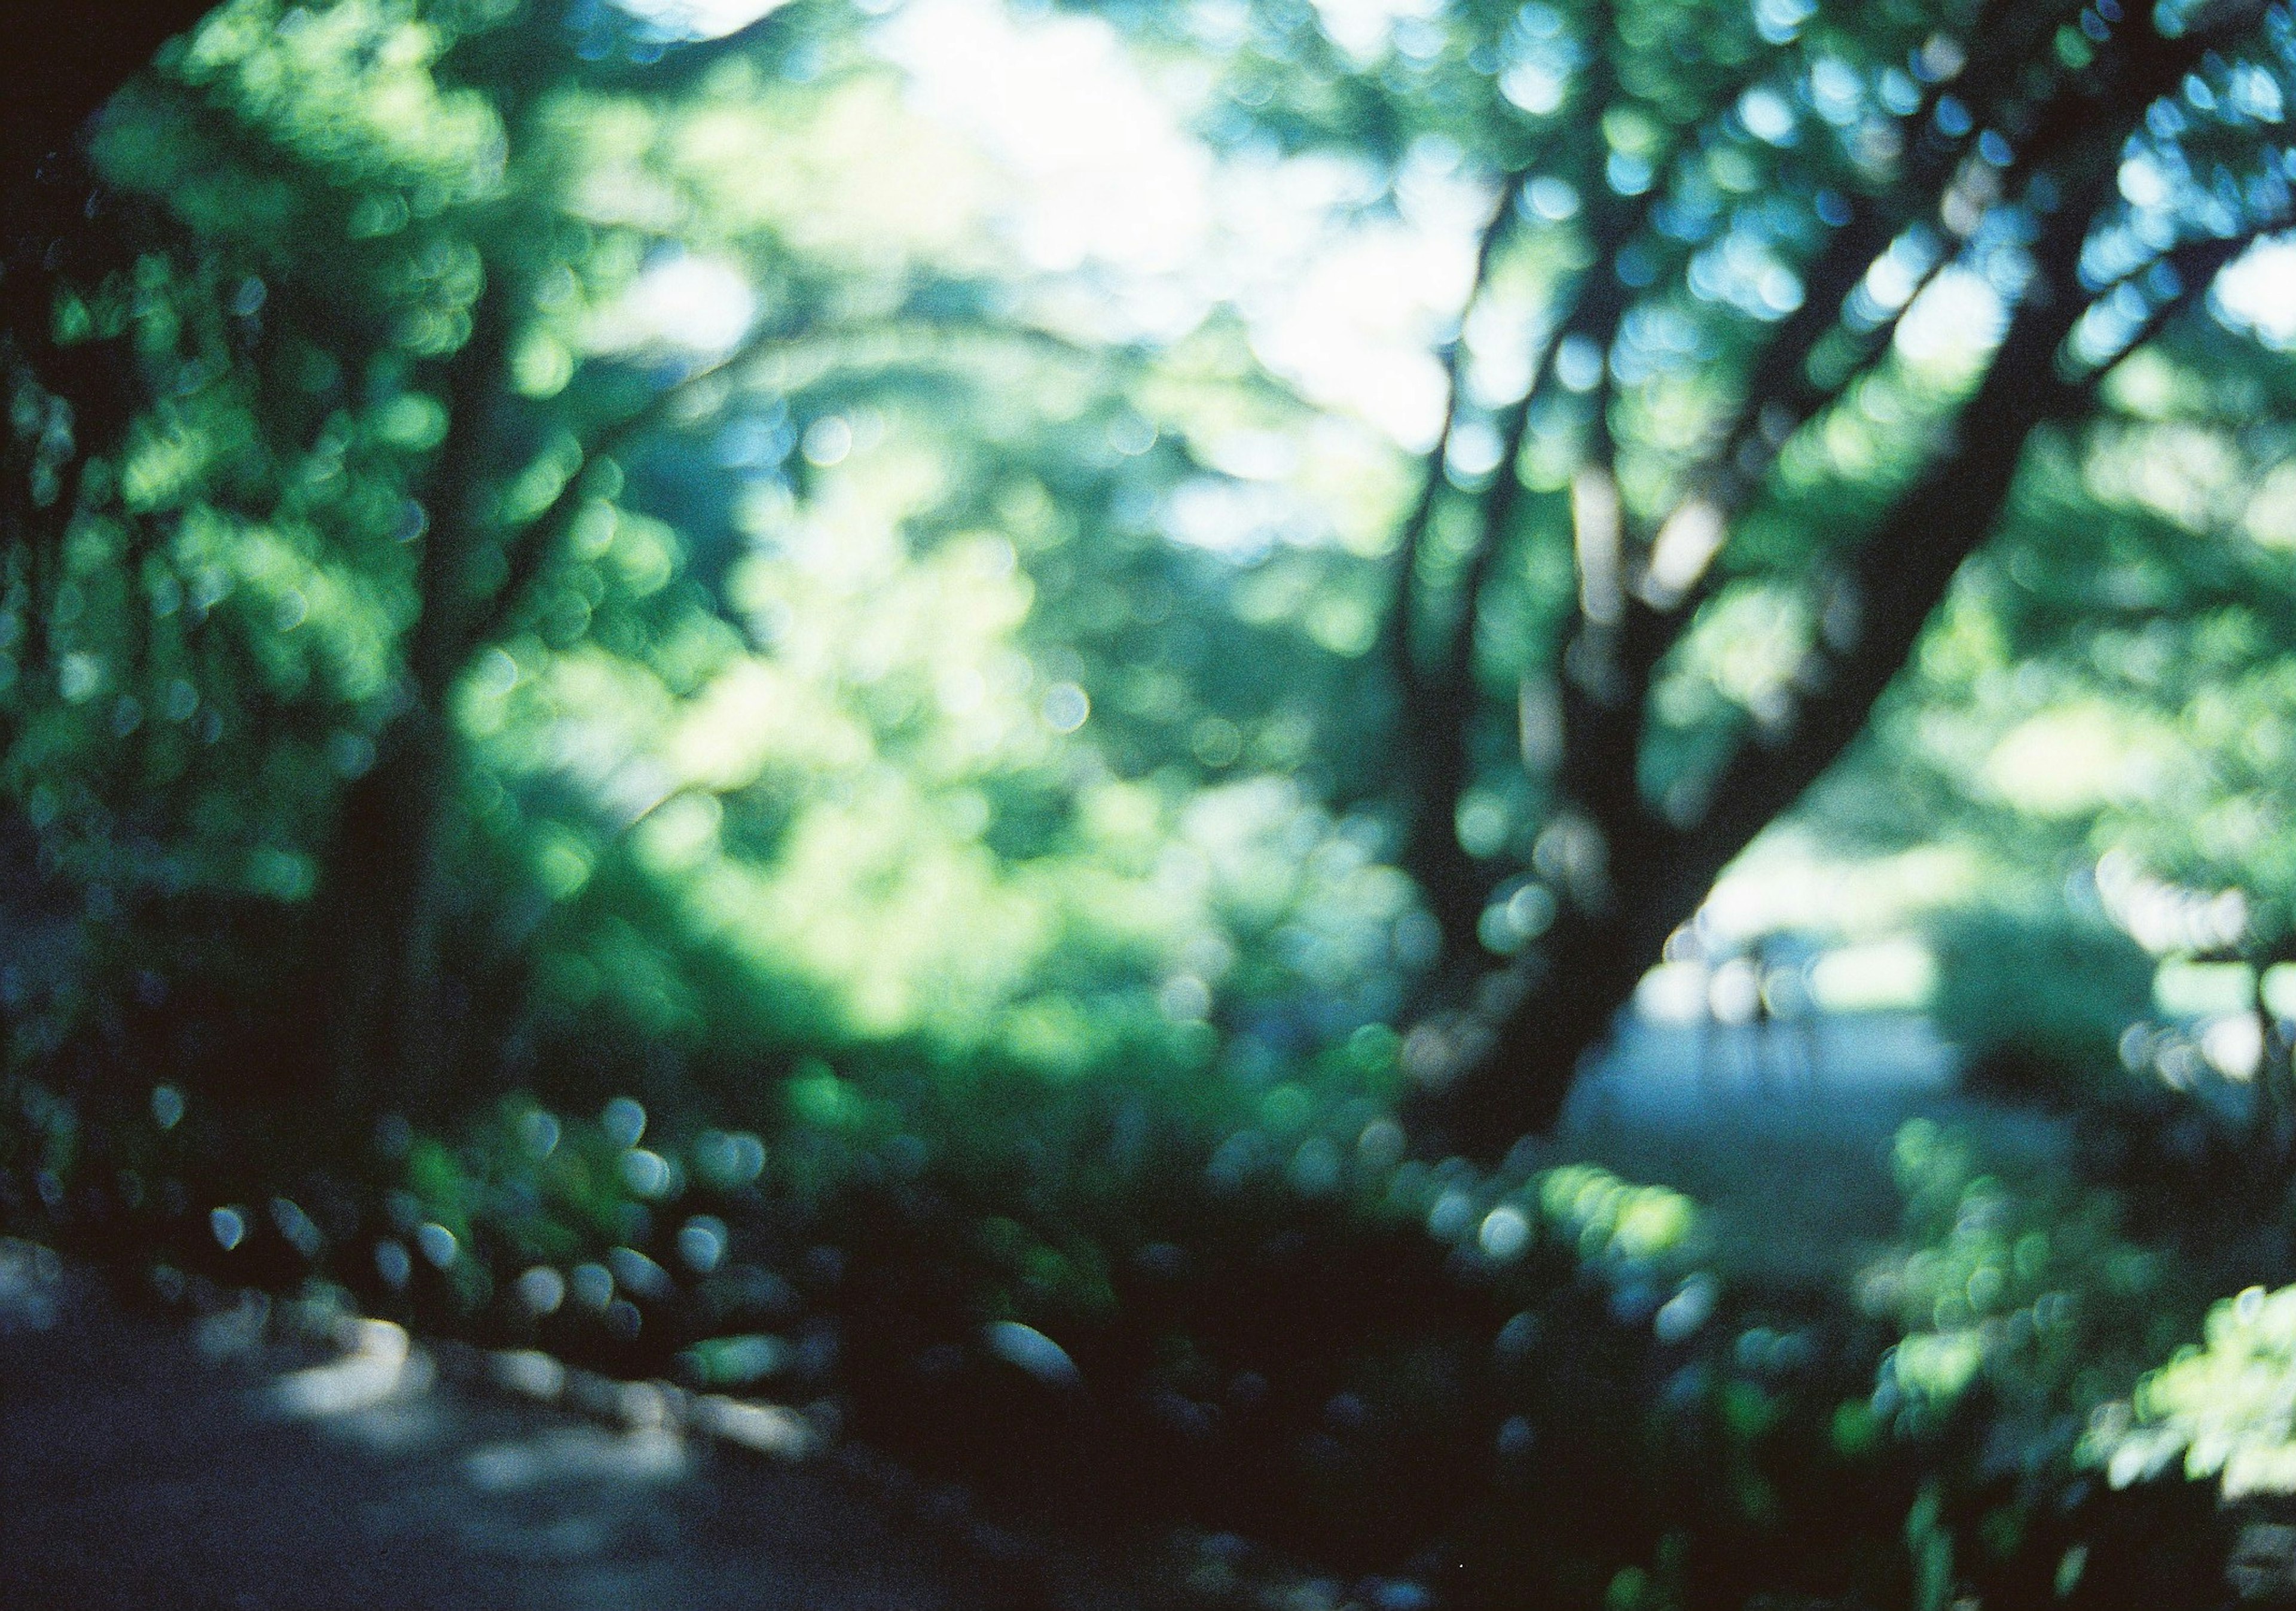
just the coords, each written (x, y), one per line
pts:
(376, 999)
(387, 880)
(1505, 1073)
(1501, 1069)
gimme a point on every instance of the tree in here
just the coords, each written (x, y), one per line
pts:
(2099, 707)
(465, 456)
(398, 439)
(1704, 469)
(1721, 275)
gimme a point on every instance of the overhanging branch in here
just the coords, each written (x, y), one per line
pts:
(528, 550)
(1497, 1075)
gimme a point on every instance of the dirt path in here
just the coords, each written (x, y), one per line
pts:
(1787, 1153)
(154, 1466)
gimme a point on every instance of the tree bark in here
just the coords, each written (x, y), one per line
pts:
(374, 995)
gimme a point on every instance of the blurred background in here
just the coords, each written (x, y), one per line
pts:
(1496, 799)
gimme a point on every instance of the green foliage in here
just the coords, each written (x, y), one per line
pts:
(2050, 994)
(2028, 1291)
(2222, 1405)
(630, 577)
(2098, 711)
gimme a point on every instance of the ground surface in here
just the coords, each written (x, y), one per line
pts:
(1782, 1133)
(148, 1463)
(140, 1468)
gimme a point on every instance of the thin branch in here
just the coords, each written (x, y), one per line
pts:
(1781, 394)
(1439, 720)
(1900, 570)
(1496, 519)
(2196, 265)
(529, 548)
(1504, 1069)
(532, 544)
(1780, 376)
(473, 383)
(1403, 608)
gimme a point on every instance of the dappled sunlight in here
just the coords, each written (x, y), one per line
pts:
(378, 1364)
(1467, 805)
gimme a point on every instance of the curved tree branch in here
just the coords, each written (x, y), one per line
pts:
(1503, 1069)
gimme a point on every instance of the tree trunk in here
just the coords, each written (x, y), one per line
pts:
(376, 999)
(1505, 1072)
